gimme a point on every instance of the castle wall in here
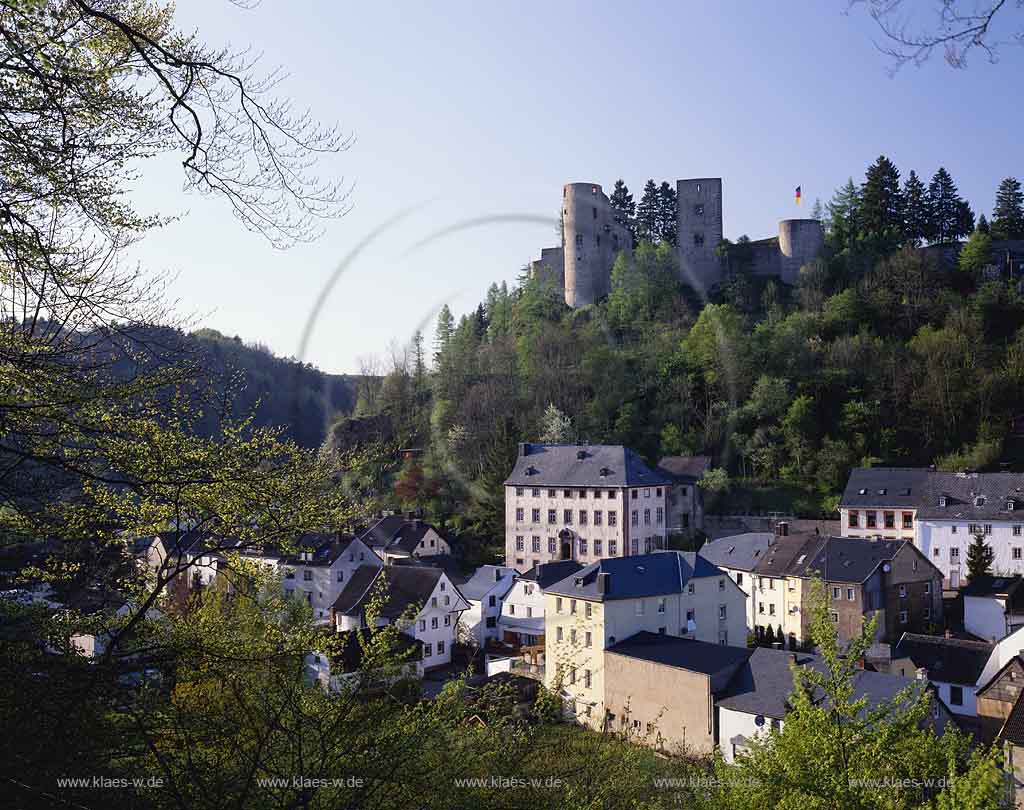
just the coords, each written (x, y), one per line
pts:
(550, 266)
(800, 241)
(592, 239)
(700, 231)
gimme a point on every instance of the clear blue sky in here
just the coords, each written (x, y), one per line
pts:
(470, 109)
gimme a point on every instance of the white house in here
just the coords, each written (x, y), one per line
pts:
(941, 512)
(318, 572)
(994, 606)
(739, 555)
(485, 592)
(954, 666)
(403, 538)
(521, 623)
(421, 600)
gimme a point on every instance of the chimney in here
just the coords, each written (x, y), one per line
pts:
(604, 583)
(782, 528)
(948, 633)
(792, 657)
(497, 575)
(524, 449)
(921, 674)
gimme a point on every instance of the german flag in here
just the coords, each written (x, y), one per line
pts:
(798, 195)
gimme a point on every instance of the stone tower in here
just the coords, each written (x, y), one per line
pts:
(591, 240)
(700, 231)
(800, 241)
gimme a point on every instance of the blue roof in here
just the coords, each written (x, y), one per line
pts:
(661, 572)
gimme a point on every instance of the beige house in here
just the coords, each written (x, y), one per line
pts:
(670, 593)
(583, 503)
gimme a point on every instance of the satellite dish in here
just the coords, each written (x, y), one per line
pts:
(759, 720)
(691, 626)
(887, 568)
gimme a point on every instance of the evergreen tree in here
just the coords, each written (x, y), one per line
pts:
(555, 426)
(916, 215)
(983, 226)
(979, 557)
(977, 253)
(443, 333)
(881, 209)
(624, 207)
(668, 213)
(1008, 215)
(948, 213)
(647, 213)
(844, 216)
(818, 210)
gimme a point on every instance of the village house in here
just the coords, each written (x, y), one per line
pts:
(941, 512)
(350, 668)
(485, 592)
(318, 571)
(863, 577)
(954, 666)
(402, 538)
(993, 606)
(671, 593)
(738, 555)
(685, 501)
(422, 601)
(582, 502)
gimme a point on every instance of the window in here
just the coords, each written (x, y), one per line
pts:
(952, 529)
(551, 493)
(936, 552)
(558, 633)
(908, 520)
(661, 605)
(583, 494)
(721, 583)
(519, 514)
(771, 609)
(579, 240)
(520, 546)
(849, 595)
(771, 584)
(927, 613)
(612, 518)
(552, 545)
(535, 545)
(535, 492)
(635, 519)
(927, 587)
(307, 576)
(612, 547)
(440, 648)
(428, 650)
(588, 609)
(1016, 552)
(636, 494)
(872, 518)
(835, 617)
(954, 553)
(698, 239)
(423, 624)
(684, 490)
(760, 607)
(588, 639)
(972, 528)
(433, 623)
(447, 600)
(572, 675)
(572, 607)
(836, 593)
(433, 601)
(739, 577)
(636, 545)
(566, 493)
(529, 612)
(698, 209)
(890, 519)
(639, 607)
(341, 576)
(689, 587)
(552, 516)
(535, 516)
(583, 545)
(572, 635)
(1017, 530)
(558, 604)
(597, 548)
(597, 517)
(956, 695)
(567, 517)
(903, 591)
(583, 517)
(586, 678)
(491, 600)
(904, 616)
(448, 620)
(988, 528)
(659, 515)
(647, 517)
(595, 212)
(853, 519)
(721, 612)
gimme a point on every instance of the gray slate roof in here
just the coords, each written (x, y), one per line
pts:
(764, 683)
(486, 578)
(834, 559)
(922, 489)
(717, 661)
(684, 468)
(661, 572)
(405, 585)
(989, 585)
(547, 574)
(951, 660)
(396, 533)
(741, 552)
(591, 465)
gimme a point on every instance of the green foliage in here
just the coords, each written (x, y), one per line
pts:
(977, 253)
(980, 557)
(1008, 215)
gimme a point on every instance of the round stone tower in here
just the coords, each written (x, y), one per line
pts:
(592, 239)
(800, 241)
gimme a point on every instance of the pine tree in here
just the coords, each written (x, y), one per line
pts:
(555, 426)
(881, 209)
(844, 216)
(1008, 215)
(647, 224)
(979, 557)
(818, 211)
(668, 213)
(916, 215)
(948, 213)
(625, 209)
(983, 226)
(443, 333)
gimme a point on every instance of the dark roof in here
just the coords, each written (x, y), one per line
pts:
(951, 660)
(988, 585)
(718, 661)
(684, 468)
(1013, 729)
(325, 548)
(590, 465)
(834, 559)
(764, 683)
(660, 572)
(967, 495)
(396, 533)
(547, 574)
(405, 585)
(741, 551)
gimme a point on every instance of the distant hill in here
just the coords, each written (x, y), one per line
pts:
(293, 395)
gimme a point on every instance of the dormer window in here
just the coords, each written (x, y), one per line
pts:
(1010, 506)
(578, 582)
(979, 501)
(863, 492)
(882, 491)
(942, 500)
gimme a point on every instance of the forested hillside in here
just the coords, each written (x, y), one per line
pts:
(895, 347)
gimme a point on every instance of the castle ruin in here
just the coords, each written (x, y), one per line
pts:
(592, 238)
